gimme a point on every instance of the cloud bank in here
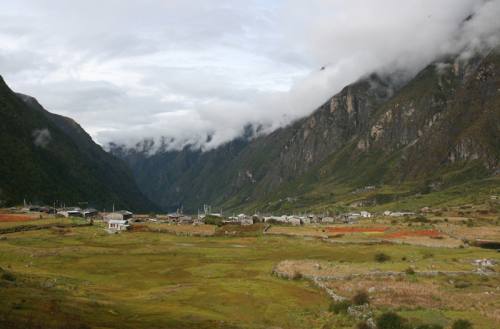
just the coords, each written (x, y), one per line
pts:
(198, 72)
(41, 137)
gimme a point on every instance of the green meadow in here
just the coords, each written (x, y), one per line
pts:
(85, 278)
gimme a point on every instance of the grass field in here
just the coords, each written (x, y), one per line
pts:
(85, 278)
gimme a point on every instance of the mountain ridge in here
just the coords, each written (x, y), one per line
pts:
(447, 112)
(48, 157)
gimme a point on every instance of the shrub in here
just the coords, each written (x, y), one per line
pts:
(361, 298)
(428, 255)
(363, 325)
(213, 220)
(420, 219)
(7, 276)
(381, 257)
(429, 326)
(339, 307)
(410, 271)
(461, 324)
(462, 284)
(391, 320)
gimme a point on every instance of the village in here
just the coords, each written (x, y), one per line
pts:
(122, 220)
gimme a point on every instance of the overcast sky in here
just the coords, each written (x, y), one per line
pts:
(184, 69)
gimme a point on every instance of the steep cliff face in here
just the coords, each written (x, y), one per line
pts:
(447, 114)
(373, 132)
(47, 157)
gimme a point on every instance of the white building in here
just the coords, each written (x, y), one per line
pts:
(70, 212)
(246, 221)
(295, 221)
(328, 220)
(118, 215)
(116, 225)
(365, 214)
(401, 214)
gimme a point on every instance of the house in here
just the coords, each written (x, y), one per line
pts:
(186, 220)
(174, 218)
(70, 212)
(117, 225)
(257, 219)
(365, 214)
(246, 221)
(328, 220)
(314, 219)
(118, 215)
(275, 219)
(295, 221)
(90, 213)
(242, 219)
(216, 214)
(353, 215)
(401, 214)
(30, 208)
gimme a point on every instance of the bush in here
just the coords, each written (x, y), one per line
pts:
(420, 219)
(7, 276)
(391, 320)
(381, 257)
(339, 307)
(461, 324)
(363, 325)
(428, 255)
(213, 220)
(462, 284)
(361, 298)
(429, 326)
(410, 271)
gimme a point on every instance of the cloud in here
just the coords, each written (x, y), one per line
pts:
(41, 137)
(198, 72)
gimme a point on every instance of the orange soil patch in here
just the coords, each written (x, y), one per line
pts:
(356, 229)
(15, 218)
(424, 233)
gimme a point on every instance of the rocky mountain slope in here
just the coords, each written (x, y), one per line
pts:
(434, 133)
(48, 157)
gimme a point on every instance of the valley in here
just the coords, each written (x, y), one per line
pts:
(68, 274)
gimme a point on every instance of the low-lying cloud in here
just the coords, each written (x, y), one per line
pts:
(41, 137)
(198, 72)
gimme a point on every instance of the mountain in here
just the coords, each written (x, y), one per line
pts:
(48, 157)
(377, 143)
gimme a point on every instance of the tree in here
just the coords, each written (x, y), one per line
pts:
(360, 298)
(391, 320)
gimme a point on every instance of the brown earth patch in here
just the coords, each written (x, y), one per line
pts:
(16, 218)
